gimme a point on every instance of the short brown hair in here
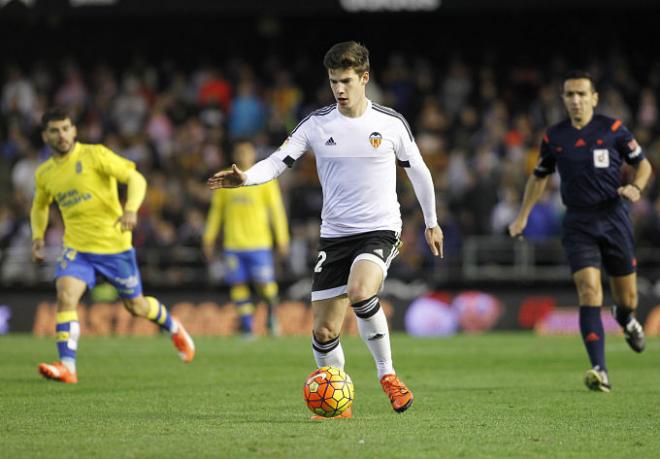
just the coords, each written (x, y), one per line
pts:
(54, 114)
(346, 55)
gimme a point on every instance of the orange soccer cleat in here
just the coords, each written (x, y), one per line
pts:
(400, 397)
(183, 343)
(348, 414)
(57, 371)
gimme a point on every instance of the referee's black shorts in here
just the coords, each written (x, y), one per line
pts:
(600, 238)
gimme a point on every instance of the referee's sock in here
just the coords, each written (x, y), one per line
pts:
(593, 335)
(623, 315)
(372, 324)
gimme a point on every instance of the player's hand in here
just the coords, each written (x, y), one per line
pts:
(283, 250)
(128, 221)
(38, 251)
(209, 251)
(517, 227)
(630, 192)
(434, 239)
(227, 179)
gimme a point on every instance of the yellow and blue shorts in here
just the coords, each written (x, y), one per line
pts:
(119, 269)
(249, 266)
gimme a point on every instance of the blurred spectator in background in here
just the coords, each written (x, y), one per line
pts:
(505, 210)
(247, 116)
(18, 94)
(129, 109)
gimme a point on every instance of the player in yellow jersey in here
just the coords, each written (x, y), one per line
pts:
(249, 218)
(82, 180)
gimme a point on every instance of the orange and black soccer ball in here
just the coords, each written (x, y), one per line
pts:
(328, 391)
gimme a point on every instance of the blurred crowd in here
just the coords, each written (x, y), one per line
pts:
(477, 125)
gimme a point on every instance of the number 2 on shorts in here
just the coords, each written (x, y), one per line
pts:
(322, 257)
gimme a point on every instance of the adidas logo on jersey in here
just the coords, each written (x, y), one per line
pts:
(331, 142)
(379, 252)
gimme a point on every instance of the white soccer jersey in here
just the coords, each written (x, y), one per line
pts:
(356, 163)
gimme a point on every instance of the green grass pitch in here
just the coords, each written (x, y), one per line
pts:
(496, 395)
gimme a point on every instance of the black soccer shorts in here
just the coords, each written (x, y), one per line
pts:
(600, 238)
(337, 256)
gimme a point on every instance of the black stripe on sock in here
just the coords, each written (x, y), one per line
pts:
(326, 347)
(366, 308)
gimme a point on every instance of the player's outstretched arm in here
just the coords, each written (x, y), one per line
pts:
(227, 179)
(435, 238)
(533, 192)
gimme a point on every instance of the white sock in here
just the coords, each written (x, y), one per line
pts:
(328, 358)
(375, 334)
(69, 363)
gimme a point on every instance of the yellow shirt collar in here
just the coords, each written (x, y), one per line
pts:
(71, 154)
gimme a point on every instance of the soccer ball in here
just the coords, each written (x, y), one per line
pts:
(328, 391)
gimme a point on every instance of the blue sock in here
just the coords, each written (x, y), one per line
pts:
(246, 323)
(591, 327)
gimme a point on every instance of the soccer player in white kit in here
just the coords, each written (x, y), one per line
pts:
(357, 145)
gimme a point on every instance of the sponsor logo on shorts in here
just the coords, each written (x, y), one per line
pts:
(127, 282)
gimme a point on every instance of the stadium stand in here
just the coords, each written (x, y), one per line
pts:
(478, 113)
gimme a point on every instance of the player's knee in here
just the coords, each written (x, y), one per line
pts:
(66, 299)
(588, 292)
(325, 333)
(358, 292)
(136, 306)
(130, 306)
